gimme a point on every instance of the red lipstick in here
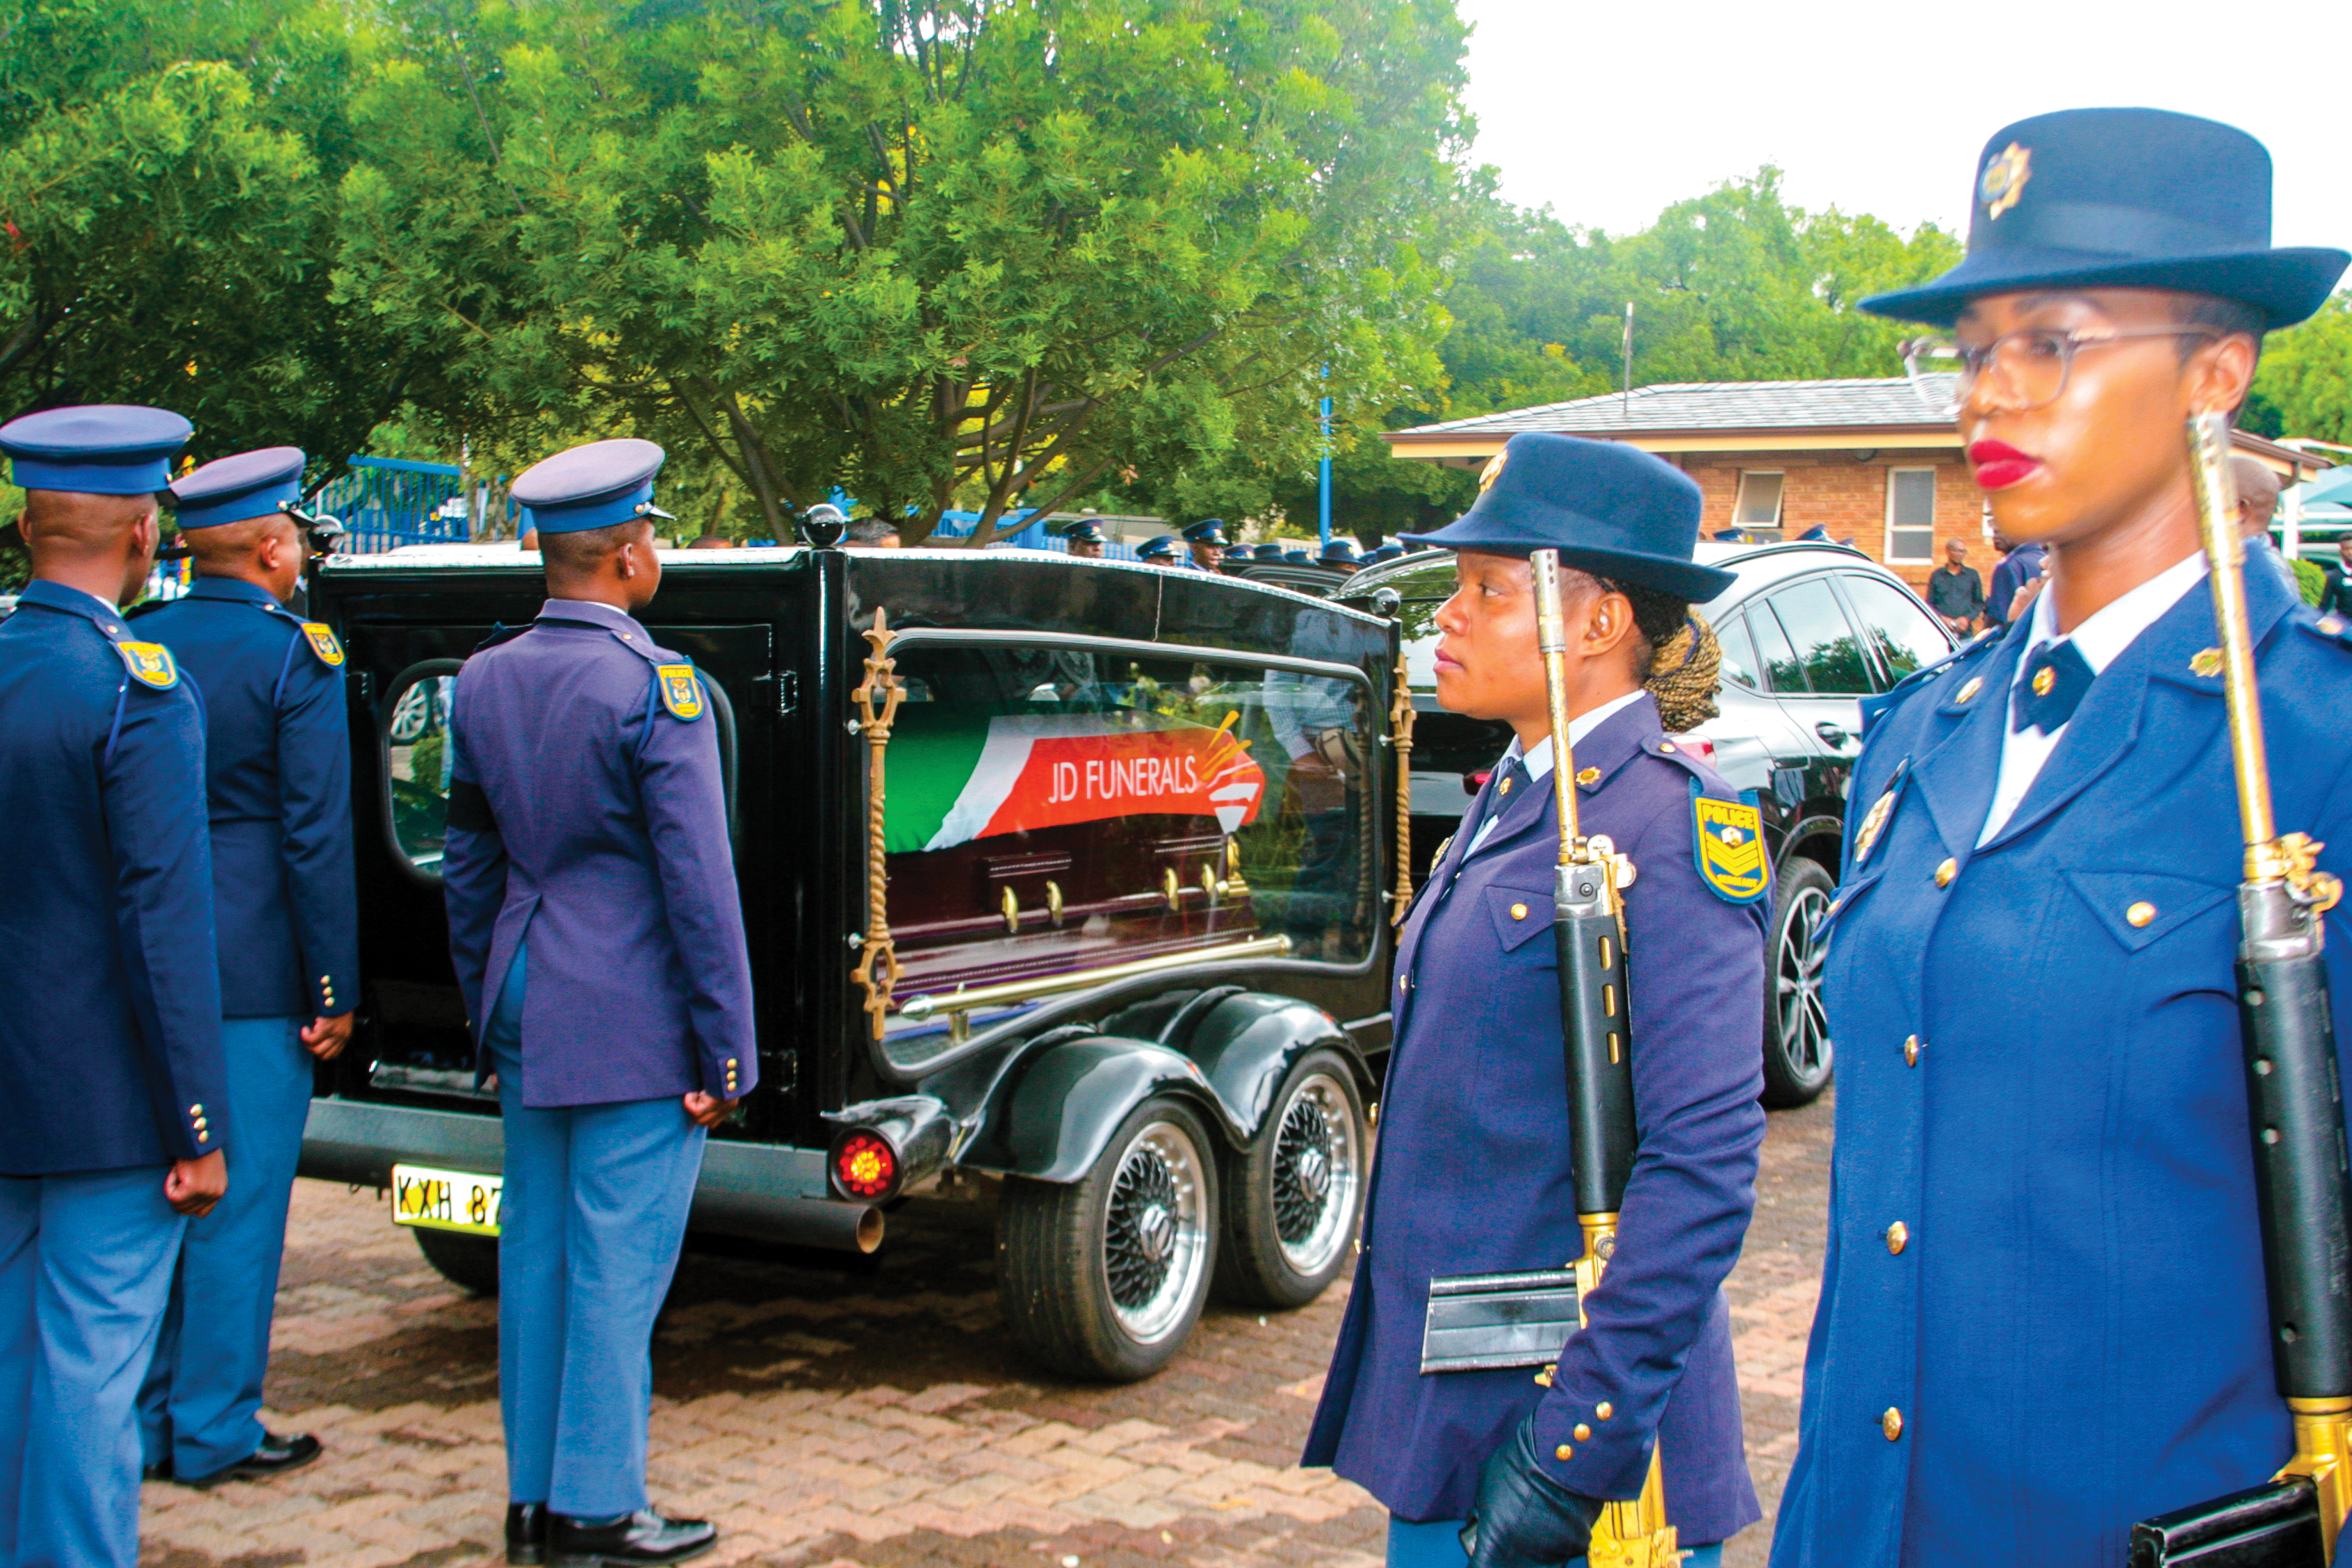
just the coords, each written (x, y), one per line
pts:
(2000, 464)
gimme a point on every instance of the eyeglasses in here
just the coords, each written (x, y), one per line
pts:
(2030, 367)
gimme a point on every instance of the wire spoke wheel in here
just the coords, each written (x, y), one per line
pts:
(1294, 1195)
(1318, 1169)
(1155, 1231)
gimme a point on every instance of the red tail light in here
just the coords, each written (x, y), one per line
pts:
(1475, 779)
(1697, 746)
(865, 1166)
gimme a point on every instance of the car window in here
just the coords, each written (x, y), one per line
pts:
(1826, 643)
(1782, 671)
(1906, 636)
(1738, 651)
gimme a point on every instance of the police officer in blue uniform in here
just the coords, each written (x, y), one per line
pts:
(279, 797)
(1165, 550)
(598, 938)
(1475, 1173)
(113, 1093)
(1339, 552)
(2043, 1314)
(1086, 541)
(1206, 540)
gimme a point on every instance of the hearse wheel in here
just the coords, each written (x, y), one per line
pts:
(468, 1262)
(1293, 1203)
(1103, 1278)
(1798, 1057)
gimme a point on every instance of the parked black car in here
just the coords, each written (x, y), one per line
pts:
(1064, 879)
(1807, 630)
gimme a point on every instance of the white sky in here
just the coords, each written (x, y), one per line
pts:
(1610, 111)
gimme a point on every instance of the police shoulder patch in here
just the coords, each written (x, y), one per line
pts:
(322, 638)
(1727, 842)
(681, 693)
(149, 664)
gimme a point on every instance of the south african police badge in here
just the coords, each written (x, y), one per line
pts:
(1728, 844)
(680, 692)
(323, 643)
(149, 664)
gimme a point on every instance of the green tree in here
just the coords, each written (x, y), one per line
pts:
(2304, 386)
(978, 252)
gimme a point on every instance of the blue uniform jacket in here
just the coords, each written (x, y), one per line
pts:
(604, 837)
(2040, 1079)
(278, 788)
(1474, 1174)
(110, 1007)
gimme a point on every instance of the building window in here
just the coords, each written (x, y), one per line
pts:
(1910, 514)
(1758, 510)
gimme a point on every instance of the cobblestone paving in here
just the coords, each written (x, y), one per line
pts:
(843, 1414)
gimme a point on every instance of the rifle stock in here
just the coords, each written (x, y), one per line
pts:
(2302, 1181)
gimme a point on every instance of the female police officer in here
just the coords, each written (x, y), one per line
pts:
(1474, 1174)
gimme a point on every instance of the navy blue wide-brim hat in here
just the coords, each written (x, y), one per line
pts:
(98, 449)
(2123, 198)
(1610, 509)
(231, 490)
(1339, 552)
(1209, 530)
(593, 486)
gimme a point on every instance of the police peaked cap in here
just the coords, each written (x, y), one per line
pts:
(98, 449)
(1610, 509)
(1209, 530)
(1159, 545)
(231, 490)
(594, 486)
(2123, 198)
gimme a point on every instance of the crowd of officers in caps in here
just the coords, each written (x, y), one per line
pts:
(2042, 1315)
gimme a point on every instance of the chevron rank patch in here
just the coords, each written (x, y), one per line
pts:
(323, 643)
(149, 664)
(681, 693)
(1727, 840)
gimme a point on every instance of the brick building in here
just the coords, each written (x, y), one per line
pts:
(1861, 459)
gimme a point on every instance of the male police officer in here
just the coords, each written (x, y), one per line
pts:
(279, 796)
(1206, 540)
(598, 938)
(1086, 542)
(1165, 550)
(1475, 1171)
(112, 1093)
(2043, 1314)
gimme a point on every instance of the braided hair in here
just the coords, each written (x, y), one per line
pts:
(1686, 663)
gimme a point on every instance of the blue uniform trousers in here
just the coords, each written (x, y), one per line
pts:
(591, 1221)
(1439, 1545)
(85, 1269)
(201, 1405)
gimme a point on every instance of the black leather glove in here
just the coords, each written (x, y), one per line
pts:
(1524, 1518)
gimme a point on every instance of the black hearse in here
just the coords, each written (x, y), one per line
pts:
(1071, 877)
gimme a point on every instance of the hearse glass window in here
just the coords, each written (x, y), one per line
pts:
(1051, 809)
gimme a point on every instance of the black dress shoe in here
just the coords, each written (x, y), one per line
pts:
(161, 1470)
(275, 1457)
(526, 1533)
(643, 1537)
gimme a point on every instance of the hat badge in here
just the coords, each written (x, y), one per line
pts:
(1491, 472)
(2005, 174)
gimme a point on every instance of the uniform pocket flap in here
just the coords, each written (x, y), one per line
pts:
(1518, 915)
(2138, 908)
(1848, 894)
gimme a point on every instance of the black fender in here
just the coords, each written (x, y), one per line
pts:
(1246, 1043)
(1054, 1112)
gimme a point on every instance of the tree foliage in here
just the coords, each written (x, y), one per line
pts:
(2304, 385)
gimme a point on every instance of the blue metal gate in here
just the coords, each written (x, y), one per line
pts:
(388, 502)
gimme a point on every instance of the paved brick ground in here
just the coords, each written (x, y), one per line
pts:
(868, 1414)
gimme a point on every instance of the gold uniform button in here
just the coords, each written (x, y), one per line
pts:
(1563, 1452)
(1975, 684)
(1898, 1237)
(1666, 745)
(1910, 1050)
(2044, 679)
(1581, 1432)
(204, 1137)
(1588, 777)
(2139, 914)
(1519, 911)
(195, 1110)
(2332, 624)
(1604, 1410)
(1891, 1423)
(1945, 872)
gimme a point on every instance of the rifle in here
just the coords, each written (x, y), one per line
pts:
(2303, 1186)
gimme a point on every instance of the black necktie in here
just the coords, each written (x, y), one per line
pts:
(2056, 674)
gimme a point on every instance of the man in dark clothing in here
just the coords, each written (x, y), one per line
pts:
(2018, 567)
(1954, 590)
(2335, 598)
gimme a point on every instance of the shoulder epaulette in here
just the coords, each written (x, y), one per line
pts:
(2329, 628)
(1878, 704)
(145, 607)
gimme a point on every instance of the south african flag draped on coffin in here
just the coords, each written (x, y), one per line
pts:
(953, 778)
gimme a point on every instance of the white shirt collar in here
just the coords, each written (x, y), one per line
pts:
(1538, 761)
(590, 610)
(2115, 627)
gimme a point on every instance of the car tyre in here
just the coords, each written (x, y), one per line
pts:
(1294, 1199)
(1102, 1279)
(1799, 1059)
(468, 1262)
